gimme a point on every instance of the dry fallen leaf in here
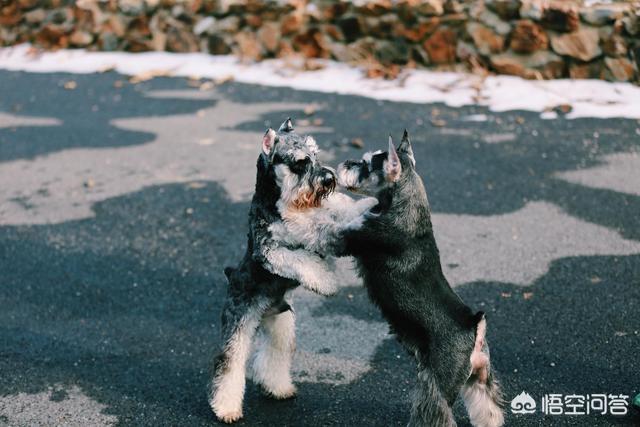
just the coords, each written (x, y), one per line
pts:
(148, 75)
(208, 85)
(357, 142)
(505, 294)
(527, 295)
(90, 183)
(317, 121)
(309, 110)
(520, 120)
(118, 84)
(438, 122)
(223, 79)
(70, 85)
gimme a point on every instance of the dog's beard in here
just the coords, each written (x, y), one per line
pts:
(311, 197)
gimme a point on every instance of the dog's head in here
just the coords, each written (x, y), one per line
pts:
(378, 170)
(291, 158)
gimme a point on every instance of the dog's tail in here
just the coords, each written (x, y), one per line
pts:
(481, 393)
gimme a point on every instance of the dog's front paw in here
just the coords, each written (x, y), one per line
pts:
(281, 393)
(325, 285)
(229, 417)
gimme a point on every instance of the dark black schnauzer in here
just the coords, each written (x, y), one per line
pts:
(398, 259)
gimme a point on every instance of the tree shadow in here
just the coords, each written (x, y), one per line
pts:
(86, 112)
(126, 304)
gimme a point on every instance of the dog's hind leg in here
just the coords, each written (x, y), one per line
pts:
(240, 319)
(481, 392)
(275, 349)
(430, 408)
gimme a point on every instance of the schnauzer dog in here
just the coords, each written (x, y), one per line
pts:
(295, 221)
(397, 256)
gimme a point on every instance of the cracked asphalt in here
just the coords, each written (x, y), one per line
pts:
(120, 204)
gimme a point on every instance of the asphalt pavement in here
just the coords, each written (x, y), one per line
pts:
(121, 203)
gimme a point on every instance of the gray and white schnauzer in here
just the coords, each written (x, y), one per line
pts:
(397, 256)
(295, 222)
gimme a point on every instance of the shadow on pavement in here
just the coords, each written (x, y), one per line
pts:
(126, 305)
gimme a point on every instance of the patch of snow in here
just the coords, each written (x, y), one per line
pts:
(589, 98)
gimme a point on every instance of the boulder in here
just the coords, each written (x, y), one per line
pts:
(312, 44)
(487, 42)
(218, 45)
(532, 9)
(441, 46)
(418, 31)
(560, 16)
(506, 9)
(614, 46)
(269, 36)
(582, 44)
(528, 37)
(351, 27)
(539, 65)
(291, 24)
(492, 21)
(619, 69)
(586, 70)
(430, 7)
(247, 46)
(603, 14)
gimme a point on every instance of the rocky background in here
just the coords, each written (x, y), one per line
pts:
(529, 38)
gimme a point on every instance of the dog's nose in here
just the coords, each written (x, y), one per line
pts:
(329, 177)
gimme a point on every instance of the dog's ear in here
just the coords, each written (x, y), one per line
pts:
(392, 167)
(405, 147)
(268, 141)
(286, 126)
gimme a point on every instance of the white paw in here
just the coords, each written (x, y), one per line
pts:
(229, 417)
(286, 392)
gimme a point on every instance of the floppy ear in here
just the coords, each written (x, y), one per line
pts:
(286, 126)
(268, 141)
(392, 167)
(405, 147)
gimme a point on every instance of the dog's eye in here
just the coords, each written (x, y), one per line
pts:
(301, 165)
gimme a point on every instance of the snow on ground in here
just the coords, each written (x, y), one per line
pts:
(588, 98)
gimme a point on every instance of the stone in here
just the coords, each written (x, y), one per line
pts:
(588, 70)
(465, 51)
(291, 24)
(269, 36)
(505, 9)
(631, 23)
(602, 14)
(388, 52)
(351, 27)
(230, 24)
(528, 37)
(380, 26)
(441, 46)
(108, 41)
(205, 25)
(430, 7)
(80, 38)
(311, 44)
(560, 16)
(614, 46)
(582, 44)
(619, 69)
(493, 21)
(486, 41)
(35, 16)
(180, 39)
(419, 30)
(419, 55)
(247, 46)
(539, 65)
(453, 6)
(532, 9)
